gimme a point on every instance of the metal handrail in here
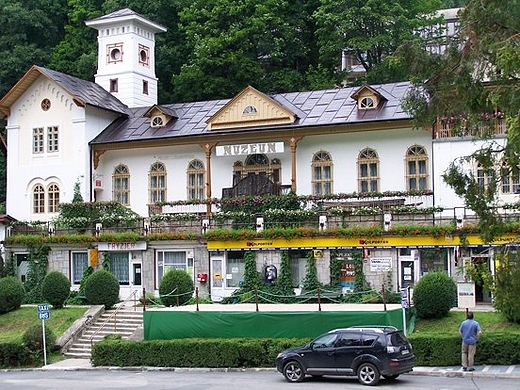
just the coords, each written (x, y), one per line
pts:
(113, 316)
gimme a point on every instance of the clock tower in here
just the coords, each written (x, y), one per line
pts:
(126, 56)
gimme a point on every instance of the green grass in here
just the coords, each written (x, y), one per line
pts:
(15, 323)
(489, 322)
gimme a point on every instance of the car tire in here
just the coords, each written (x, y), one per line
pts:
(368, 374)
(293, 371)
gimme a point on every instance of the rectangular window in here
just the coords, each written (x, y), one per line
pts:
(79, 262)
(38, 140)
(510, 180)
(119, 266)
(113, 85)
(52, 139)
(195, 186)
(145, 87)
(235, 269)
(39, 200)
(298, 262)
(121, 191)
(172, 260)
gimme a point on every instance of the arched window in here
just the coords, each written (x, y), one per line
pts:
(484, 175)
(416, 168)
(510, 177)
(368, 171)
(121, 185)
(53, 198)
(321, 173)
(38, 199)
(157, 184)
(196, 180)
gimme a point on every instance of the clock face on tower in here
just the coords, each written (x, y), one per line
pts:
(115, 52)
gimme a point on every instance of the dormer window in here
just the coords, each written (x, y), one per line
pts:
(368, 98)
(157, 121)
(366, 102)
(249, 110)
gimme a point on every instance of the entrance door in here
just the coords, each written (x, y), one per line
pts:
(407, 274)
(217, 278)
(137, 274)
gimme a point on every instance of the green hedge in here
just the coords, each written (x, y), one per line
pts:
(14, 355)
(501, 349)
(217, 353)
(492, 349)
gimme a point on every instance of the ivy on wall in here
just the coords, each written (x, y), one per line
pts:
(37, 269)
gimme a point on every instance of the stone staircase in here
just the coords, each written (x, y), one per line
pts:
(126, 322)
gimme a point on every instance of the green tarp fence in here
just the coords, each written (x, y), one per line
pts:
(171, 324)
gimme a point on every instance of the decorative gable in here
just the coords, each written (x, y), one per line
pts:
(160, 116)
(250, 108)
(367, 98)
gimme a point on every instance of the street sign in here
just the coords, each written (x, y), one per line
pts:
(404, 298)
(44, 315)
(43, 311)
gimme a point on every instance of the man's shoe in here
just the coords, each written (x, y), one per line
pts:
(464, 368)
(471, 369)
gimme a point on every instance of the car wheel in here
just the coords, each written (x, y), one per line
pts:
(368, 374)
(390, 377)
(293, 371)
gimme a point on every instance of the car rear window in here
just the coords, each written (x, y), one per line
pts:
(397, 338)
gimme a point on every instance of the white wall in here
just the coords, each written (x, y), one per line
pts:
(71, 163)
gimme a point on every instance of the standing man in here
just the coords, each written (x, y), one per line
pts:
(470, 332)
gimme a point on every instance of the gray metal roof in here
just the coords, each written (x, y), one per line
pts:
(313, 109)
(86, 92)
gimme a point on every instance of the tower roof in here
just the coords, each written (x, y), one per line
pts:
(124, 15)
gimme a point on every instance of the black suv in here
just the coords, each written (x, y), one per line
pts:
(367, 352)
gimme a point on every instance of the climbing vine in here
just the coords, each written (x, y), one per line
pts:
(310, 282)
(37, 268)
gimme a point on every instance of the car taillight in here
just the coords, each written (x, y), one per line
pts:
(392, 349)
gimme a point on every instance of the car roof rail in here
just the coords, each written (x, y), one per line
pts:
(389, 328)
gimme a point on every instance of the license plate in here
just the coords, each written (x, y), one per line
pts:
(405, 352)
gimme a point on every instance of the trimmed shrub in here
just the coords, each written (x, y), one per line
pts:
(33, 339)
(434, 295)
(102, 288)
(12, 294)
(176, 288)
(14, 355)
(56, 289)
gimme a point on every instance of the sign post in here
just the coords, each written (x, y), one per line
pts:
(404, 305)
(44, 314)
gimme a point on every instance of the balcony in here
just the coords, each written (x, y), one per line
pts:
(456, 127)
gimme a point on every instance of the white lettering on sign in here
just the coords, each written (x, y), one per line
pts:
(246, 149)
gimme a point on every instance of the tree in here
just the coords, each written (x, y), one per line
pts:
(268, 44)
(473, 83)
(76, 53)
(284, 283)
(370, 30)
(252, 278)
(176, 288)
(434, 295)
(30, 30)
(77, 198)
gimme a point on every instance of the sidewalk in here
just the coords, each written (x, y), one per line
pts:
(507, 372)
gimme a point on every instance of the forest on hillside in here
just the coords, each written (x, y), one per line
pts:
(215, 48)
